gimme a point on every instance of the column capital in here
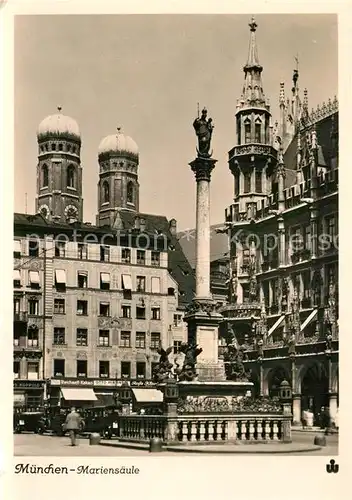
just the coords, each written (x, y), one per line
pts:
(202, 168)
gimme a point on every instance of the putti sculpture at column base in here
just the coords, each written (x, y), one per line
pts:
(202, 318)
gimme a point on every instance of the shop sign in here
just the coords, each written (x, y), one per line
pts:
(101, 382)
(28, 384)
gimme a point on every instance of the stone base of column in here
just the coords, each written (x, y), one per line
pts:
(203, 329)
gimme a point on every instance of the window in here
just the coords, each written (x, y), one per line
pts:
(258, 181)
(330, 224)
(17, 250)
(155, 285)
(59, 367)
(33, 307)
(297, 239)
(59, 336)
(247, 182)
(16, 369)
(104, 369)
(125, 340)
(104, 281)
(104, 338)
(126, 282)
(274, 294)
(130, 192)
(60, 147)
(82, 368)
(155, 259)
(140, 369)
(141, 257)
(140, 340)
(82, 336)
(247, 133)
(104, 309)
(308, 237)
(106, 192)
(45, 176)
(306, 284)
(32, 371)
(60, 280)
(140, 312)
(140, 284)
(16, 338)
(265, 288)
(245, 259)
(177, 346)
(171, 292)
(104, 253)
(59, 306)
(126, 311)
(53, 147)
(258, 132)
(60, 248)
(82, 307)
(34, 279)
(155, 340)
(125, 369)
(82, 251)
(237, 184)
(33, 248)
(16, 306)
(33, 337)
(245, 293)
(16, 278)
(155, 312)
(70, 176)
(177, 319)
(82, 279)
(126, 255)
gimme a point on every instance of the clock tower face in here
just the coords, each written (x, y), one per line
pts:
(44, 211)
(71, 212)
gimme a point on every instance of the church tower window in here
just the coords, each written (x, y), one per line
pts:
(130, 192)
(258, 182)
(257, 132)
(70, 176)
(247, 133)
(247, 182)
(106, 192)
(45, 176)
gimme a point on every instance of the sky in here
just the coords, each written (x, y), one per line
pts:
(146, 73)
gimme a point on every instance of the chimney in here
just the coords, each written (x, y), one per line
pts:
(173, 227)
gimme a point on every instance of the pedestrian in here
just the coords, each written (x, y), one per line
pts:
(304, 419)
(73, 424)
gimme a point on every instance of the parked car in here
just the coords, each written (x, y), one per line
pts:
(30, 421)
(102, 420)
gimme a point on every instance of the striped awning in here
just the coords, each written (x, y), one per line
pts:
(60, 276)
(34, 276)
(309, 319)
(78, 394)
(127, 281)
(148, 395)
(105, 277)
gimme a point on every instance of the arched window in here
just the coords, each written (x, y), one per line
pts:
(130, 192)
(70, 176)
(106, 192)
(45, 176)
(247, 131)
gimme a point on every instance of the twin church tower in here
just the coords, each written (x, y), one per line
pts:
(59, 173)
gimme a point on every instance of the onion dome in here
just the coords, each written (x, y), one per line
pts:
(118, 144)
(58, 125)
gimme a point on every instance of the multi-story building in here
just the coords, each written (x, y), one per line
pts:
(283, 228)
(92, 304)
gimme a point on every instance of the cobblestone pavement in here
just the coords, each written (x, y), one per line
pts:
(36, 445)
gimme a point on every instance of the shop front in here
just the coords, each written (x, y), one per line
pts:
(28, 393)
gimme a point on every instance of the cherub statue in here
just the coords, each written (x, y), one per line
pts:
(188, 370)
(163, 369)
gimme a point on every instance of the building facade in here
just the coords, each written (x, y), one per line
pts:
(92, 304)
(283, 232)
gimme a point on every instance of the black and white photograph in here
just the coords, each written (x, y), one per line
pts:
(175, 238)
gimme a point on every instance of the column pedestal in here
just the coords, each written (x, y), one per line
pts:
(296, 409)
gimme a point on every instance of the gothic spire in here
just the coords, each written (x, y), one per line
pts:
(252, 93)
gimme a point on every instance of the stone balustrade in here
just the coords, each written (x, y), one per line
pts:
(206, 428)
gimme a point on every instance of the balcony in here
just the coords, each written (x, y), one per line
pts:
(264, 150)
(241, 311)
(20, 317)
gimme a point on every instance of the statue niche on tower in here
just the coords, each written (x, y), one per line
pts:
(203, 127)
(188, 370)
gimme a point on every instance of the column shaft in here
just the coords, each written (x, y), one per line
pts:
(203, 240)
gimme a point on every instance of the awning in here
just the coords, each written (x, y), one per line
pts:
(148, 395)
(309, 319)
(34, 276)
(276, 325)
(60, 276)
(106, 399)
(155, 285)
(17, 246)
(105, 277)
(16, 275)
(81, 394)
(127, 282)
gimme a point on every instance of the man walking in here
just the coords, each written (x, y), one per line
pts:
(73, 424)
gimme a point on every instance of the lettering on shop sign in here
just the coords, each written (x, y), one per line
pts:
(28, 385)
(102, 382)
